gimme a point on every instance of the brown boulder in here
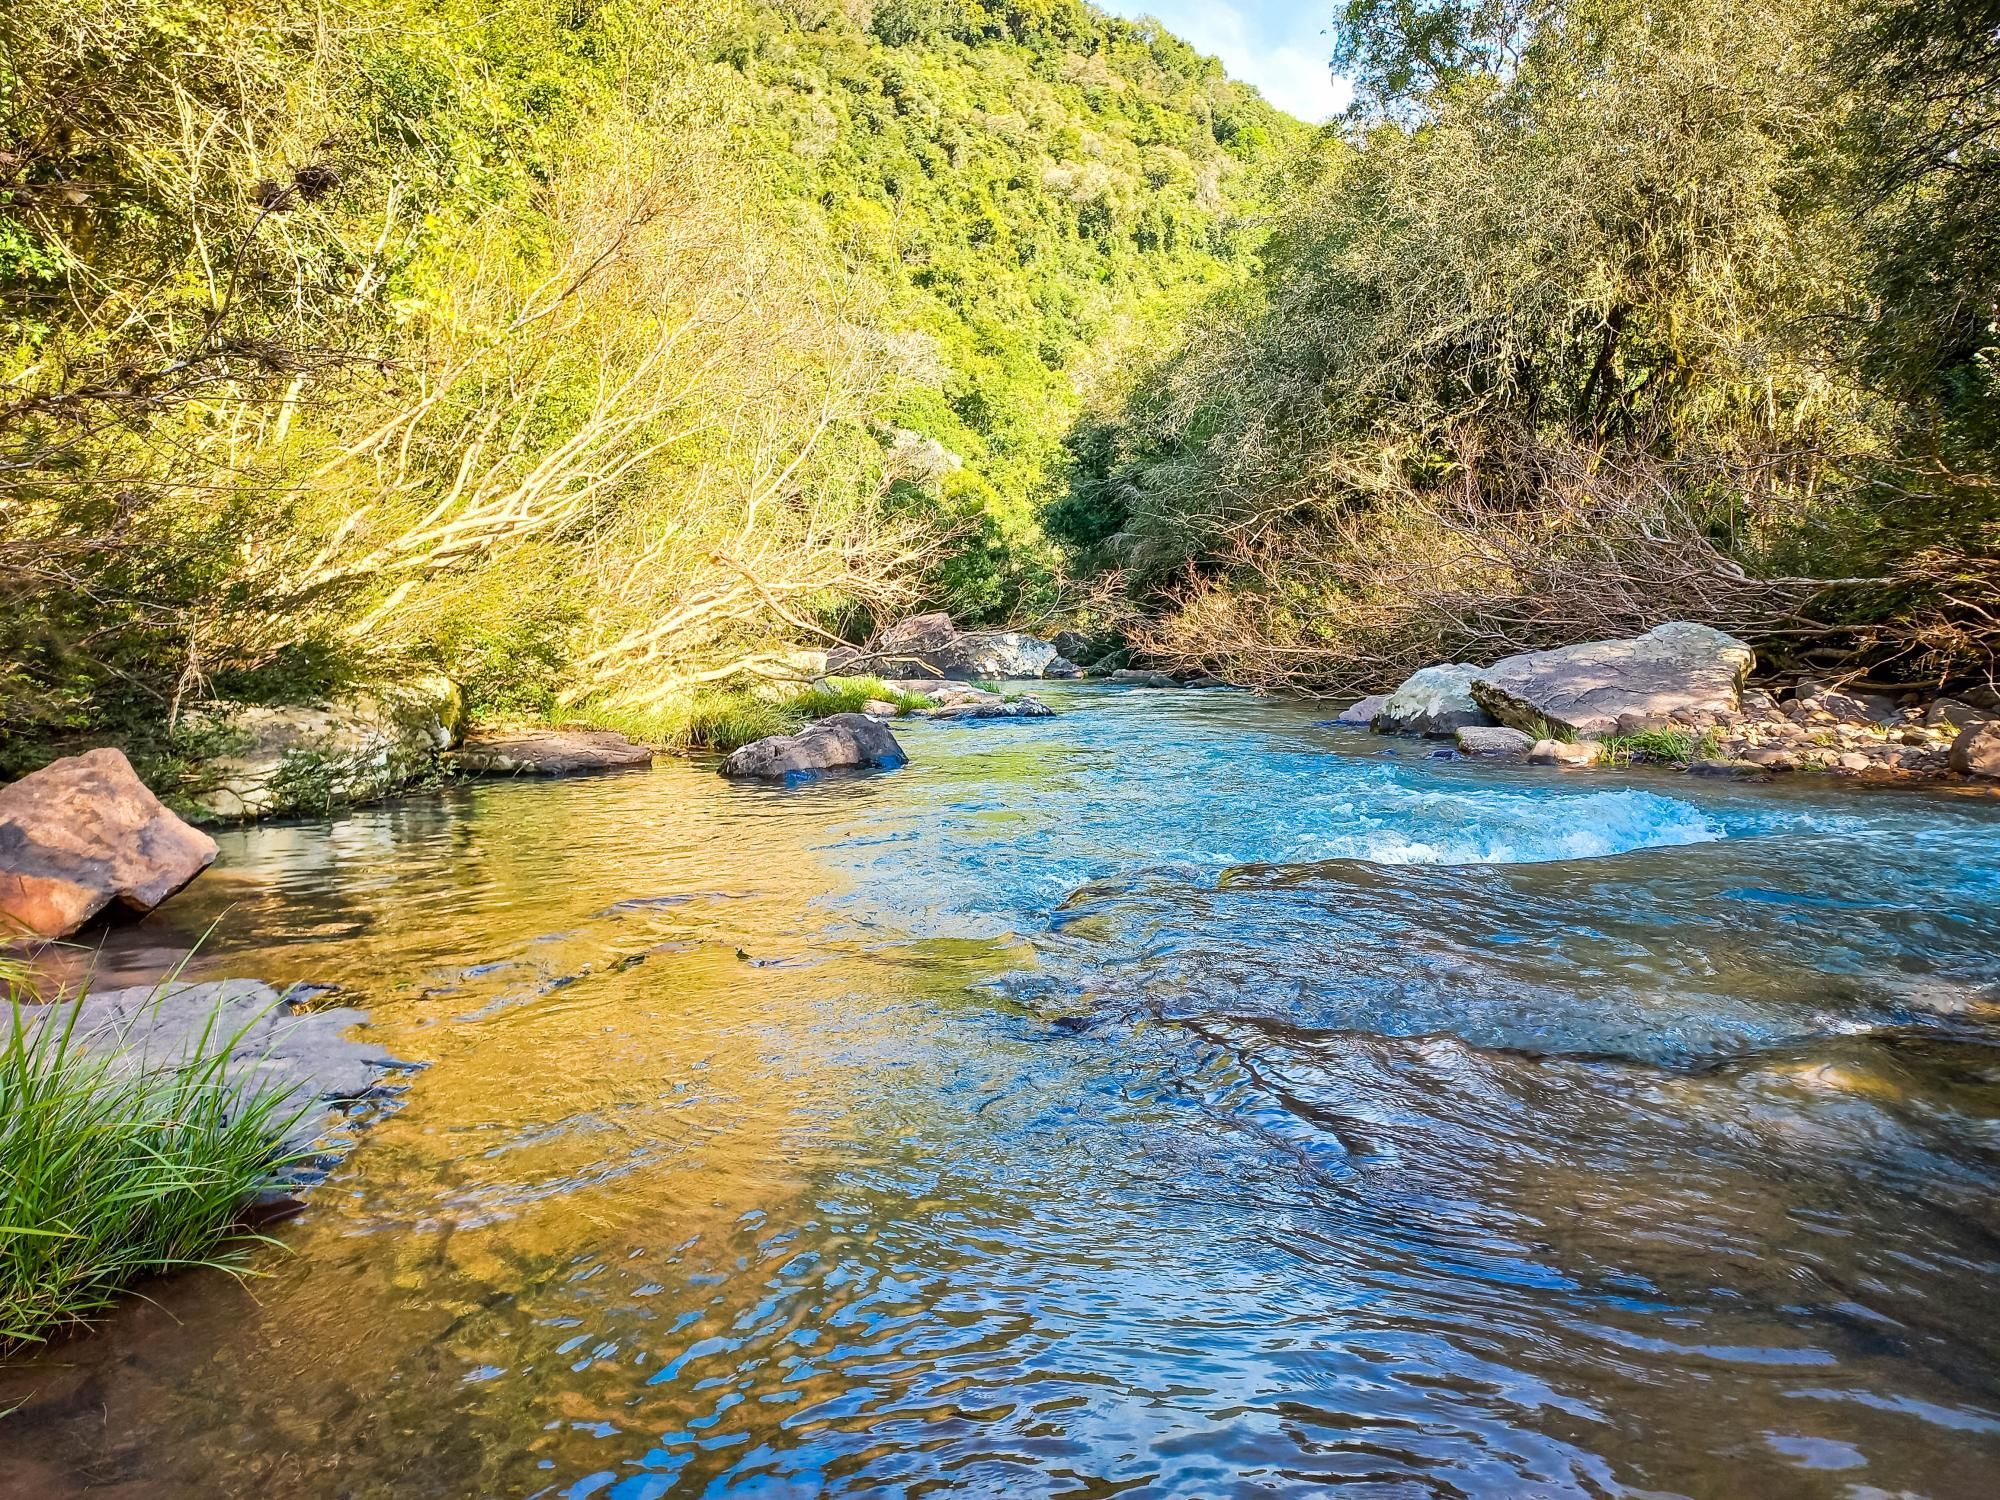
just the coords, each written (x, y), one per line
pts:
(82, 833)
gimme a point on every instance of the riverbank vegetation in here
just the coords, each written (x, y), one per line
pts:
(109, 1175)
(1593, 315)
(597, 355)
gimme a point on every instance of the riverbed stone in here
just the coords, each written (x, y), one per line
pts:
(84, 835)
(276, 1043)
(931, 647)
(1683, 672)
(1435, 701)
(532, 750)
(839, 742)
(1976, 750)
(1361, 714)
(1024, 707)
(1141, 677)
(1493, 742)
(1565, 753)
(276, 760)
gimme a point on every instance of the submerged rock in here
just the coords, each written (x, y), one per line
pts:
(1976, 750)
(840, 742)
(1676, 671)
(1141, 677)
(1494, 742)
(1020, 708)
(277, 760)
(84, 834)
(546, 752)
(1362, 714)
(1565, 753)
(1435, 701)
(274, 1043)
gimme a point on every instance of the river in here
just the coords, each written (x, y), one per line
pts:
(1179, 1096)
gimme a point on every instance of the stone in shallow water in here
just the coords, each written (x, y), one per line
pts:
(83, 833)
(546, 752)
(1678, 671)
(839, 742)
(1020, 708)
(1491, 742)
(277, 1044)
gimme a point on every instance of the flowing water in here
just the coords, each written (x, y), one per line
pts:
(1174, 1097)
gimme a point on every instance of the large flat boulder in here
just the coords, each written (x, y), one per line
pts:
(532, 751)
(931, 648)
(1679, 672)
(84, 834)
(277, 760)
(1023, 707)
(276, 1044)
(1435, 701)
(839, 742)
(1494, 742)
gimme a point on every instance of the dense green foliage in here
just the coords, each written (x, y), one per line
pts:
(595, 354)
(109, 1176)
(1593, 315)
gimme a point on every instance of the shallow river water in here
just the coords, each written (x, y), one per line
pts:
(1174, 1097)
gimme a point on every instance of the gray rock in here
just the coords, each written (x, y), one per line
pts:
(1435, 701)
(1062, 668)
(1142, 677)
(840, 742)
(1678, 671)
(85, 833)
(1493, 742)
(277, 1045)
(880, 708)
(533, 751)
(1949, 713)
(1773, 758)
(1738, 768)
(1976, 750)
(1021, 708)
(277, 760)
(1361, 714)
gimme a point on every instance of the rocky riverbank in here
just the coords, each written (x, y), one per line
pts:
(1680, 695)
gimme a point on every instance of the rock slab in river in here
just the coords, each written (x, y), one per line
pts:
(1494, 742)
(1976, 751)
(83, 833)
(1361, 714)
(547, 752)
(839, 742)
(278, 1045)
(1677, 670)
(1434, 701)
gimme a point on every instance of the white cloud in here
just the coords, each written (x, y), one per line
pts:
(1278, 46)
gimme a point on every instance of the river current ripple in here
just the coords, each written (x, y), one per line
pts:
(1177, 1097)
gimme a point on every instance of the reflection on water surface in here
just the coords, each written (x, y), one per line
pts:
(1175, 1097)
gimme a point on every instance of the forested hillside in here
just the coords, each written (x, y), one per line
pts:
(589, 352)
(1595, 315)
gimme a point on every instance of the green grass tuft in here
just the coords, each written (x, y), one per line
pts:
(722, 719)
(107, 1178)
(1667, 747)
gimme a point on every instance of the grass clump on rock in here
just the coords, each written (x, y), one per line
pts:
(110, 1174)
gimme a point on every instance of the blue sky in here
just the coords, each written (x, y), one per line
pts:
(1279, 45)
